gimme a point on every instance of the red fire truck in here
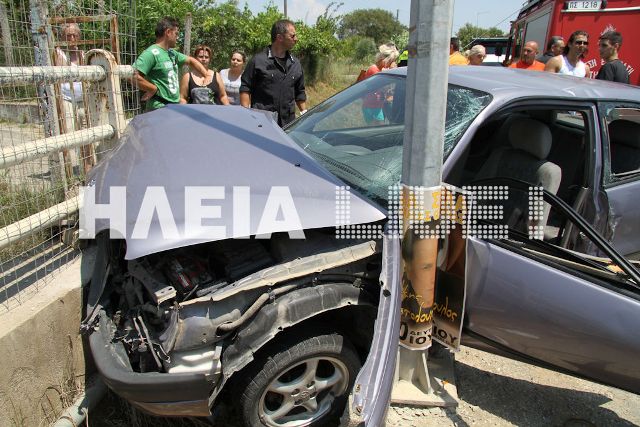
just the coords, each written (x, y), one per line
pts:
(538, 20)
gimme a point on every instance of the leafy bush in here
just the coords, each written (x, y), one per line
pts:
(364, 49)
(378, 24)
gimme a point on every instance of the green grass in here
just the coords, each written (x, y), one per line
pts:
(336, 74)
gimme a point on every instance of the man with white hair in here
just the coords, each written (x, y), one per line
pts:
(69, 54)
(476, 54)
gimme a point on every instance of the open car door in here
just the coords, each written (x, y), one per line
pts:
(534, 300)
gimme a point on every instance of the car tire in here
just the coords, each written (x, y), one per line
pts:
(305, 383)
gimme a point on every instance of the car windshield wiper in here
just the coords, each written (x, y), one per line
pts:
(339, 165)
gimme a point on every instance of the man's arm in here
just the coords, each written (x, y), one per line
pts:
(554, 64)
(143, 65)
(587, 71)
(245, 99)
(247, 83)
(301, 94)
(144, 85)
(194, 64)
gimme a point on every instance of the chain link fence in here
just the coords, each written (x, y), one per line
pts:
(54, 126)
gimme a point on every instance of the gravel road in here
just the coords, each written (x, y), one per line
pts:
(495, 391)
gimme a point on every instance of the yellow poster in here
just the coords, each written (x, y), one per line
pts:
(433, 254)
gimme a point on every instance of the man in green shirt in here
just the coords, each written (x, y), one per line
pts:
(157, 69)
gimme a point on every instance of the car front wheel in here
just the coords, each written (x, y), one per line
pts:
(306, 383)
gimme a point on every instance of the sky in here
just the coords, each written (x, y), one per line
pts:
(486, 13)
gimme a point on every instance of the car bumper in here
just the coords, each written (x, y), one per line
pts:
(156, 393)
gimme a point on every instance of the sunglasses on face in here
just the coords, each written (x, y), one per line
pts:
(581, 43)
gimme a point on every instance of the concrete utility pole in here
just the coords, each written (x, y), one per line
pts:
(285, 9)
(426, 103)
(425, 112)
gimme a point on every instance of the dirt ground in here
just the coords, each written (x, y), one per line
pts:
(495, 391)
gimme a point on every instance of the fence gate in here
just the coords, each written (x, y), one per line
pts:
(65, 99)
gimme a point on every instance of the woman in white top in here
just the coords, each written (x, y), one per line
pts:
(570, 62)
(231, 77)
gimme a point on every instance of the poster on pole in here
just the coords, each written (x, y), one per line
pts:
(433, 271)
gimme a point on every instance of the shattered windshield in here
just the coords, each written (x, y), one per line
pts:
(358, 134)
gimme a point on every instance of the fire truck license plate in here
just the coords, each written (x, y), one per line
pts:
(584, 5)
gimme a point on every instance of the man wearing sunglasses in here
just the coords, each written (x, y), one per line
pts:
(273, 79)
(570, 62)
(613, 70)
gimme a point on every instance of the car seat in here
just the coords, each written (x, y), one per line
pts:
(524, 159)
(624, 140)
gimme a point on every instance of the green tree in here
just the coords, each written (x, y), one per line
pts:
(401, 40)
(149, 12)
(364, 49)
(223, 28)
(328, 21)
(468, 32)
(378, 24)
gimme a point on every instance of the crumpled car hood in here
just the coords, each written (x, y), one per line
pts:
(217, 146)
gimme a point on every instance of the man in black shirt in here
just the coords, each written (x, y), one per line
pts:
(613, 69)
(555, 46)
(273, 79)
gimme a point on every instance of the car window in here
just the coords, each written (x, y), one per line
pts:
(371, 109)
(623, 148)
(358, 133)
(570, 118)
(544, 147)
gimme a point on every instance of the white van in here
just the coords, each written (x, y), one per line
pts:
(496, 49)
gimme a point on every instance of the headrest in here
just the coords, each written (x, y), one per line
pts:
(544, 116)
(531, 136)
(625, 132)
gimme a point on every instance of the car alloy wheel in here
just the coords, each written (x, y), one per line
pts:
(303, 385)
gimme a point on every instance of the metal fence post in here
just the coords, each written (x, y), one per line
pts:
(105, 97)
(7, 43)
(188, 21)
(43, 40)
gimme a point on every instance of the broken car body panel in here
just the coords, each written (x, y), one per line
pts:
(224, 147)
(242, 295)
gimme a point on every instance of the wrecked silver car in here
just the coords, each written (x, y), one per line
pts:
(248, 291)
(219, 273)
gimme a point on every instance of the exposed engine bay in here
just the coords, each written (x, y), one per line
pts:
(176, 311)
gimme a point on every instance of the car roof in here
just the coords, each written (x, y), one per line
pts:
(513, 83)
